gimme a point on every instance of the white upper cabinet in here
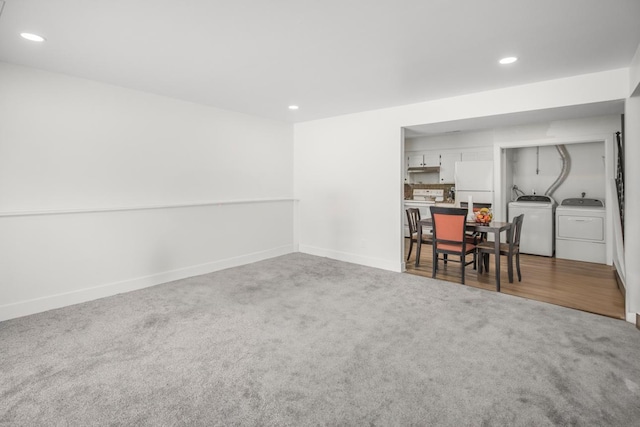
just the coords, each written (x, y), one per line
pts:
(445, 160)
(432, 159)
(424, 160)
(416, 160)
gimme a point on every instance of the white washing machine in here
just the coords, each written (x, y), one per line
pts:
(537, 236)
(580, 230)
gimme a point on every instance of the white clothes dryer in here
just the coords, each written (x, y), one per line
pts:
(581, 230)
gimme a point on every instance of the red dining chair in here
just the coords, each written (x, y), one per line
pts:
(449, 237)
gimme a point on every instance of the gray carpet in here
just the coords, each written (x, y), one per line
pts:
(300, 340)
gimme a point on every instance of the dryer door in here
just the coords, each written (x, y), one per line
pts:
(579, 227)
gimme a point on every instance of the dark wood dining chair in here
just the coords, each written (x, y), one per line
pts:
(413, 216)
(509, 249)
(449, 237)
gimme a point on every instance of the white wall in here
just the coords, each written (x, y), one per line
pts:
(634, 74)
(587, 171)
(345, 178)
(348, 169)
(105, 189)
(459, 140)
(632, 205)
(632, 189)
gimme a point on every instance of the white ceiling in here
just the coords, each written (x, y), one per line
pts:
(329, 56)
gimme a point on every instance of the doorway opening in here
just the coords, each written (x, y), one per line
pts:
(581, 285)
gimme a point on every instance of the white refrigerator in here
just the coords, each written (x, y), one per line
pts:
(474, 182)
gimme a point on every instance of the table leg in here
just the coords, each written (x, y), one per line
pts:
(497, 256)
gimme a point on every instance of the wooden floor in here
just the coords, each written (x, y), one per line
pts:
(580, 285)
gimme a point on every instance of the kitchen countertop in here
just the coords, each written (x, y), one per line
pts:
(443, 204)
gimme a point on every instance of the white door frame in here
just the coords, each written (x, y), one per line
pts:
(501, 195)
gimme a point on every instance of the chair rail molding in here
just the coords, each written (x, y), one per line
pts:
(143, 207)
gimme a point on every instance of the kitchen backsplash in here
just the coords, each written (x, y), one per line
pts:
(408, 189)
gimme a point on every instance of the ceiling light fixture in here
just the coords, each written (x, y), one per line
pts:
(293, 107)
(508, 60)
(32, 37)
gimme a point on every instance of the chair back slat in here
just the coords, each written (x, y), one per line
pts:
(518, 227)
(513, 236)
(413, 216)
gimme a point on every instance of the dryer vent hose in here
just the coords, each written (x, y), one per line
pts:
(566, 166)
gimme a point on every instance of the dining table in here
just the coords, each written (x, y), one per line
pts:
(494, 227)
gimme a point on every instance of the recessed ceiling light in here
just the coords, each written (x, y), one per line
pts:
(32, 37)
(293, 107)
(508, 60)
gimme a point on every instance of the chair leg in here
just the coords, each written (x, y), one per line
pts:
(445, 258)
(518, 266)
(510, 267)
(475, 260)
(480, 262)
(410, 249)
(434, 263)
(463, 260)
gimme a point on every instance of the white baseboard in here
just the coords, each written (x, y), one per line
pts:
(353, 258)
(50, 302)
(631, 318)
